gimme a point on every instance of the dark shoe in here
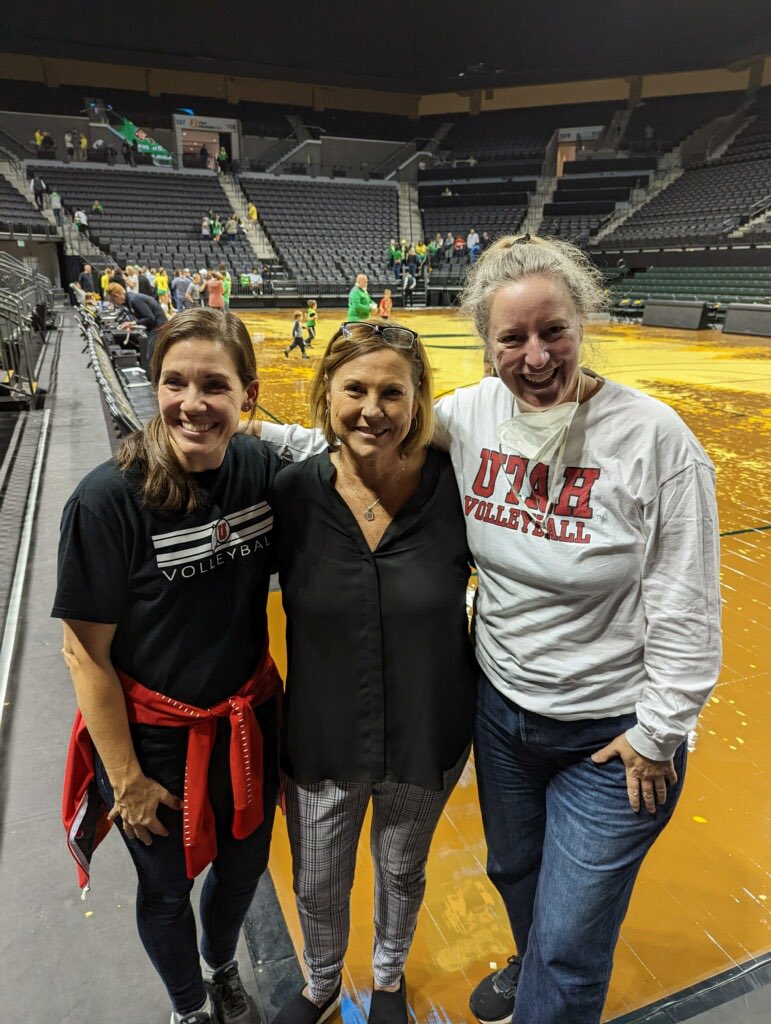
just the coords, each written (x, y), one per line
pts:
(302, 1011)
(389, 1007)
(205, 1015)
(492, 1001)
(232, 1003)
(286, 352)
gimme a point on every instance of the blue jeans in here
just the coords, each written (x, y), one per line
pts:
(165, 918)
(564, 849)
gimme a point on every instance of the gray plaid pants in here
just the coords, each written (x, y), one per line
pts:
(324, 820)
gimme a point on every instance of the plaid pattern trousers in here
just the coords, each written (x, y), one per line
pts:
(325, 820)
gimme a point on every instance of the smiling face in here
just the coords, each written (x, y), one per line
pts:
(535, 337)
(372, 402)
(201, 397)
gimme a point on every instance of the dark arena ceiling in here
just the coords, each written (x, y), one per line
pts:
(420, 46)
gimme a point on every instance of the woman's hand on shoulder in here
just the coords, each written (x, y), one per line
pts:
(136, 804)
(646, 780)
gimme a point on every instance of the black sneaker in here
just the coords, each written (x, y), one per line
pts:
(229, 996)
(389, 1007)
(492, 1001)
(205, 1015)
(300, 1010)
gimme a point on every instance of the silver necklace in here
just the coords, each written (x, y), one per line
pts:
(369, 510)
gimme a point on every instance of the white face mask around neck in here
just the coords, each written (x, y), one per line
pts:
(542, 437)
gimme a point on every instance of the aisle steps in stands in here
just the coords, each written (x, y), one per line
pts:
(254, 233)
(543, 194)
(410, 221)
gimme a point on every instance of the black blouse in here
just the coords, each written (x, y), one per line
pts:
(382, 676)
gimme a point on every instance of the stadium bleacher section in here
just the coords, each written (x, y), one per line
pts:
(17, 215)
(659, 123)
(327, 231)
(717, 286)
(709, 201)
(151, 217)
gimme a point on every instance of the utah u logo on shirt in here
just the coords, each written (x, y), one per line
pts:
(201, 549)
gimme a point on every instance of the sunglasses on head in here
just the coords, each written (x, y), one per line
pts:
(398, 337)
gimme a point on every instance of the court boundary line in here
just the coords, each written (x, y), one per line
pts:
(713, 992)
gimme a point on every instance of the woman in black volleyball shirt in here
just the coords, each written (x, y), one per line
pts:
(164, 565)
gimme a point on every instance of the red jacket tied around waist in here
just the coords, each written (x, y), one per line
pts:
(84, 814)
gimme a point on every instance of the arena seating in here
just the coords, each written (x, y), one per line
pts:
(16, 214)
(498, 220)
(327, 231)
(673, 118)
(151, 217)
(503, 134)
(716, 285)
(708, 201)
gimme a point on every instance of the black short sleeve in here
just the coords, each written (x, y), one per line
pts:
(92, 567)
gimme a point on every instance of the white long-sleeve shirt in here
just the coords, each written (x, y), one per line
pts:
(616, 609)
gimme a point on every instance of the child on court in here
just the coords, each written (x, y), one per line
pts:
(310, 321)
(385, 305)
(298, 341)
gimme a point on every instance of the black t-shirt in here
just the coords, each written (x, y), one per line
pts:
(188, 593)
(381, 680)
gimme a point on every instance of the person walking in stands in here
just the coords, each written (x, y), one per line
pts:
(176, 733)
(205, 227)
(231, 228)
(360, 305)
(298, 340)
(251, 211)
(56, 206)
(83, 146)
(69, 145)
(179, 285)
(311, 315)
(81, 220)
(140, 311)
(39, 189)
(203, 157)
(385, 305)
(216, 230)
(223, 160)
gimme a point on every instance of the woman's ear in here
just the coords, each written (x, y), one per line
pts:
(252, 394)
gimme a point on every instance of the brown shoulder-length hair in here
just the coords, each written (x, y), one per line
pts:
(165, 485)
(341, 350)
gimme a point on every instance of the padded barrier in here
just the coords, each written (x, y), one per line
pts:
(690, 316)
(743, 318)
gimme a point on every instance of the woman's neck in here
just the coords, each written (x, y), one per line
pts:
(371, 471)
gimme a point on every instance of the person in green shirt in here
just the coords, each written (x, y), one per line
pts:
(310, 321)
(359, 302)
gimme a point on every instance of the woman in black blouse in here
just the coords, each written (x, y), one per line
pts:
(380, 692)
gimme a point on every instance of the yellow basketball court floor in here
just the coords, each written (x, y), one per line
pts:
(703, 901)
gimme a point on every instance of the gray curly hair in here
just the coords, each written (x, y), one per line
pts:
(512, 258)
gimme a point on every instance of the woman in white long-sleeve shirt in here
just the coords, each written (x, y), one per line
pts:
(591, 514)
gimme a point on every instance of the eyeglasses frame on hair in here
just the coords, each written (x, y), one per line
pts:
(382, 331)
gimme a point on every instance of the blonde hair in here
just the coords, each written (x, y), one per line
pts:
(513, 258)
(342, 349)
(164, 484)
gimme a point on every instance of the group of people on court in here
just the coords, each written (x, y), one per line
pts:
(588, 510)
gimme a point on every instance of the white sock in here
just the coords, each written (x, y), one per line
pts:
(207, 1006)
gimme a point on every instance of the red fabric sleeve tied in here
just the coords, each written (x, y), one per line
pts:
(147, 707)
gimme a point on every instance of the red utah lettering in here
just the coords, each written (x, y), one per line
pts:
(575, 496)
(484, 485)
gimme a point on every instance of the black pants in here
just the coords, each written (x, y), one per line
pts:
(165, 917)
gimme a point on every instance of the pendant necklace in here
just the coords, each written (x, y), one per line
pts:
(369, 510)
